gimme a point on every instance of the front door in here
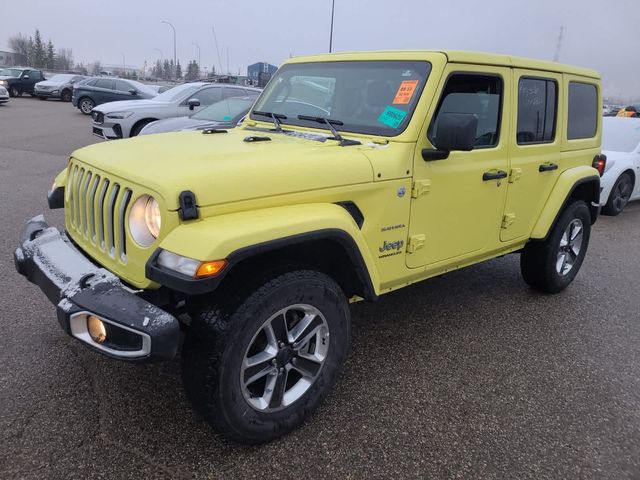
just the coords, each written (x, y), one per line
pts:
(457, 203)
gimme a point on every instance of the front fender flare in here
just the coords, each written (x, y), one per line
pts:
(237, 236)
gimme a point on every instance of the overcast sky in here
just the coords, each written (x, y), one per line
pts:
(604, 35)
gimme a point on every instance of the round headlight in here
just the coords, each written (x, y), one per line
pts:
(145, 220)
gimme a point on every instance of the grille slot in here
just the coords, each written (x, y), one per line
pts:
(111, 211)
(91, 204)
(101, 202)
(85, 204)
(124, 203)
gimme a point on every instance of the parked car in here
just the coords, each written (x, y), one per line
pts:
(223, 115)
(631, 111)
(96, 91)
(4, 95)
(59, 86)
(621, 145)
(240, 251)
(19, 80)
(126, 119)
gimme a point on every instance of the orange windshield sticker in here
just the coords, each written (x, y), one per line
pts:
(405, 92)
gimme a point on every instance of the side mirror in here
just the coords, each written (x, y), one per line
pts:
(132, 91)
(453, 132)
(193, 103)
(25, 77)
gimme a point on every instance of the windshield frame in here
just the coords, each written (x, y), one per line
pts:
(292, 121)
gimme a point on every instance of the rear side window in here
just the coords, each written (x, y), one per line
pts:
(104, 83)
(480, 95)
(583, 111)
(537, 100)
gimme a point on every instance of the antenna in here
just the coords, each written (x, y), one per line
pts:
(215, 41)
(556, 57)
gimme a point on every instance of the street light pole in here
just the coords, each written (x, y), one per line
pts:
(333, 8)
(175, 59)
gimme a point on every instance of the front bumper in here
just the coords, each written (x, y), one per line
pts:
(47, 93)
(107, 131)
(78, 288)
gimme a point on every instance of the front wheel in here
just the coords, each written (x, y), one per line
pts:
(65, 96)
(551, 265)
(15, 91)
(256, 368)
(619, 196)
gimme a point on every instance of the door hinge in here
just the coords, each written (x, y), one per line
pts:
(420, 187)
(508, 220)
(416, 242)
(515, 174)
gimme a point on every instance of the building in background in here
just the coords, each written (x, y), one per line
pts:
(10, 59)
(260, 73)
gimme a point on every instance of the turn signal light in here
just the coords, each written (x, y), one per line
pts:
(208, 269)
(96, 328)
(600, 163)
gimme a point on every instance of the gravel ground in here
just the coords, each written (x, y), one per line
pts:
(470, 375)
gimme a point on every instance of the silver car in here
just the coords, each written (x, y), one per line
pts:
(59, 86)
(127, 118)
(224, 114)
(4, 95)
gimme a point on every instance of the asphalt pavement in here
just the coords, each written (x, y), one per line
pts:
(469, 375)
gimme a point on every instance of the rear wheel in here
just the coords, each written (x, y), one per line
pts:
(15, 91)
(258, 366)
(42, 98)
(65, 96)
(619, 196)
(86, 105)
(551, 265)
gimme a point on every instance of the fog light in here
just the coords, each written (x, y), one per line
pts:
(96, 328)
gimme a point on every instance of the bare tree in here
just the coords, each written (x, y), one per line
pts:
(19, 43)
(96, 68)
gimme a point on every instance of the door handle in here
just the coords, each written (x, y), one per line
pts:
(547, 167)
(486, 176)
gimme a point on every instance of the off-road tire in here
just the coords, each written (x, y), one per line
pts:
(215, 346)
(619, 196)
(539, 259)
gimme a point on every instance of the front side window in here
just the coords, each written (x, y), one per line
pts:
(479, 95)
(227, 110)
(537, 100)
(208, 96)
(123, 86)
(35, 75)
(583, 111)
(368, 97)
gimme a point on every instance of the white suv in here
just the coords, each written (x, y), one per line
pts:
(127, 118)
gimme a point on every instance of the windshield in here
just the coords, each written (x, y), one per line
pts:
(370, 97)
(10, 72)
(176, 93)
(228, 110)
(620, 134)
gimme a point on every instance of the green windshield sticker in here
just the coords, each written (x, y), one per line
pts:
(227, 118)
(392, 117)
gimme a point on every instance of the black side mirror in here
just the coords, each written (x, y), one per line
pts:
(193, 103)
(454, 131)
(132, 91)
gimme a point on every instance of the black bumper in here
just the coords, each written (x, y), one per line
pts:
(78, 288)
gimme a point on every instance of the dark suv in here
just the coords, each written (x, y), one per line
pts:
(19, 80)
(92, 92)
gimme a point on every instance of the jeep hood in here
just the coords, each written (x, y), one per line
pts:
(223, 167)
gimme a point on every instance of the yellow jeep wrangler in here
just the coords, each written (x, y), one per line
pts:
(354, 175)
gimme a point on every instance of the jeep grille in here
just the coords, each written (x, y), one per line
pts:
(96, 210)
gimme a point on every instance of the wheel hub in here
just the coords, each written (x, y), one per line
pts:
(284, 356)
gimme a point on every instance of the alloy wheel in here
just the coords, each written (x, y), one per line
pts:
(621, 194)
(284, 358)
(86, 106)
(570, 246)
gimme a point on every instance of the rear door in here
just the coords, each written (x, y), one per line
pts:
(457, 202)
(535, 149)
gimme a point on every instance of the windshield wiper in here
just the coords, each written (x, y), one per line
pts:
(330, 123)
(276, 117)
